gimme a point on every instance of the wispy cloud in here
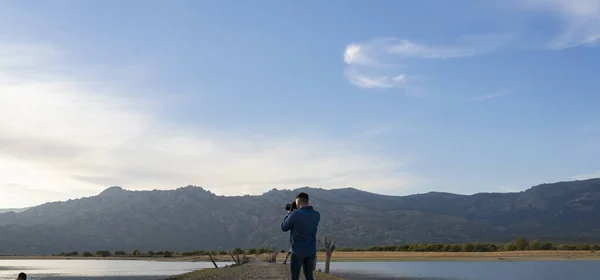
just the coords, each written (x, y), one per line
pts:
(384, 62)
(69, 138)
(581, 20)
(593, 175)
(491, 95)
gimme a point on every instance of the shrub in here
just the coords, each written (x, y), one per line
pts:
(120, 253)
(546, 246)
(522, 244)
(87, 254)
(238, 251)
(468, 247)
(103, 253)
(535, 245)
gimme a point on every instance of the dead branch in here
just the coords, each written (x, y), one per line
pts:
(213, 261)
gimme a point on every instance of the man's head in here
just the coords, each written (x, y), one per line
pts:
(302, 200)
(22, 276)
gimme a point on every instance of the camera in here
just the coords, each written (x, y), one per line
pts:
(291, 206)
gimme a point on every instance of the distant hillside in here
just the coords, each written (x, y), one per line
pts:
(192, 218)
(16, 210)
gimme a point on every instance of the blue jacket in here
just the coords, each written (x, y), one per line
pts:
(303, 224)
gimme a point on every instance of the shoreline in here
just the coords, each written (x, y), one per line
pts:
(461, 256)
(154, 259)
(370, 257)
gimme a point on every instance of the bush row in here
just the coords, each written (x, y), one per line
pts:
(520, 244)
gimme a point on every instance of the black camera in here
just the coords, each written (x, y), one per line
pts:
(291, 206)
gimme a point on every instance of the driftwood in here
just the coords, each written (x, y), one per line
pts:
(273, 257)
(286, 257)
(232, 257)
(213, 261)
(236, 258)
(329, 248)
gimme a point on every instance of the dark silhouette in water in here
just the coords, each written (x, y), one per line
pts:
(22, 276)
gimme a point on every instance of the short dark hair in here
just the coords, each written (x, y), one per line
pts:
(22, 276)
(302, 197)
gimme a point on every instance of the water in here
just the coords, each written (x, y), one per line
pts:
(526, 270)
(152, 270)
(97, 269)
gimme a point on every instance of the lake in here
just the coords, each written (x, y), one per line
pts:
(522, 270)
(97, 269)
(152, 270)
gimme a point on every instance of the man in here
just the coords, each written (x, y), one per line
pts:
(303, 224)
(22, 276)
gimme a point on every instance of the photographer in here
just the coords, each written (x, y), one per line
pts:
(303, 223)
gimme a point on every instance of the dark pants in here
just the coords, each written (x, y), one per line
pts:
(298, 262)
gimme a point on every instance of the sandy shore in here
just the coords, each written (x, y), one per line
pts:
(101, 278)
(372, 256)
(461, 256)
(157, 259)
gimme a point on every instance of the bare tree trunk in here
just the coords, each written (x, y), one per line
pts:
(211, 259)
(238, 258)
(233, 258)
(286, 257)
(273, 257)
(329, 248)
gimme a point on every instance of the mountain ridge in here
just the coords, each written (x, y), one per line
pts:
(190, 218)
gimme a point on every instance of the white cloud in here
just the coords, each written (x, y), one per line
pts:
(586, 176)
(63, 138)
(364, 81)
(377, 63)
(491, 95)
(581, 20)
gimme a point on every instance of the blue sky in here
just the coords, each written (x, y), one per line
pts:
(394, 97)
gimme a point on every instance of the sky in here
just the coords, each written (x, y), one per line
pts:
(240, 97)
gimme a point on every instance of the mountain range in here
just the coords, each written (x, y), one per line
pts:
(192, 218)
(16, 210)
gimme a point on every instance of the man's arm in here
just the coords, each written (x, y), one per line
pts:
(288, 222)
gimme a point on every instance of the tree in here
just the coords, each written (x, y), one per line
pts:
(222, 253)
(137, 253)
(535, 245)
(238, 251)
(87, 254)
(547, 246)
(468, 247)
(262, 251)
(103, 253)
(120, 253)
(329, 248)
(252, 251)
(510, 247)
(522, 244)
